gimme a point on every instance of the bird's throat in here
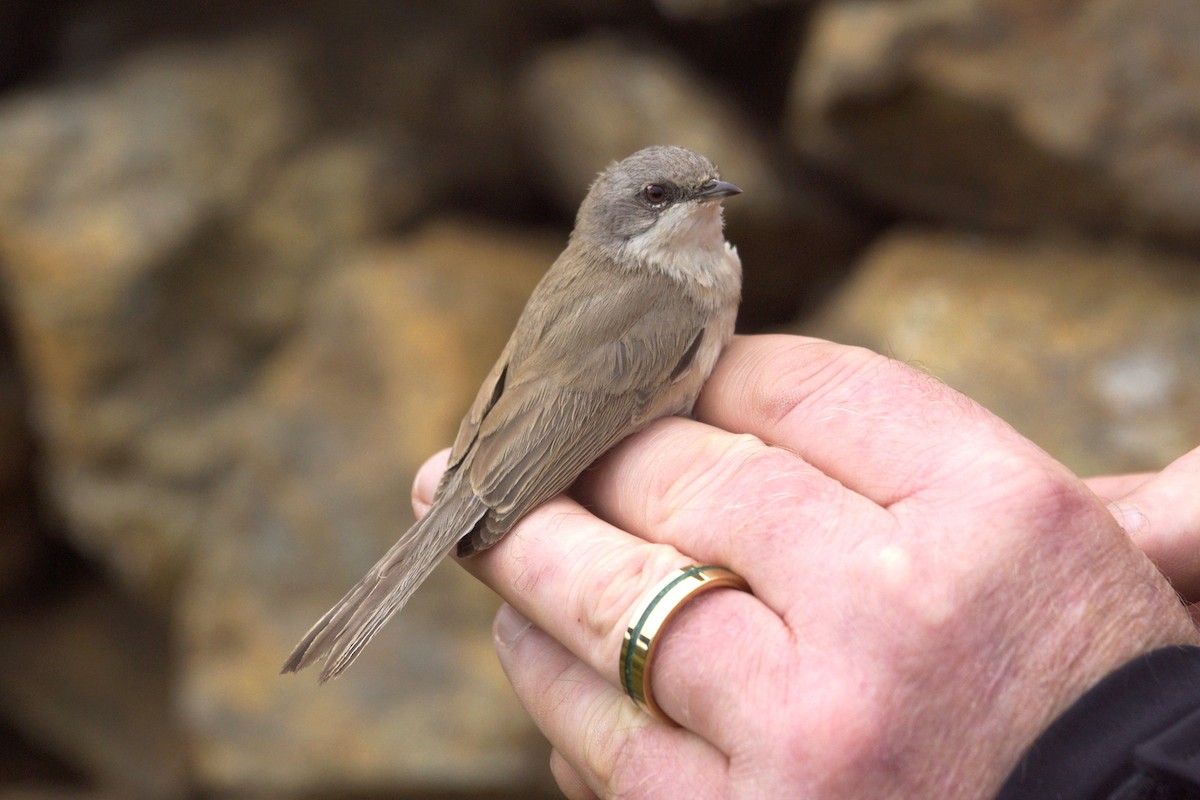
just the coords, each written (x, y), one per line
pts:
(687, 243)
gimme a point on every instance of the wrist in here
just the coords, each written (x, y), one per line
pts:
(1008, 663)
(1134, 734)
(1123, 611)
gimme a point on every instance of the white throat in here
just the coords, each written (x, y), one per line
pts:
(688, 244)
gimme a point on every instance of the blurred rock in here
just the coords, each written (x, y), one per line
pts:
(1089, 351)
(159, 226)
(27, 30)
(599, 100)
(436, 75)
(30, 766)
(51, 792)
(440, 74)
(1010, 115)
(238, 334)
(21, 544)
(714, 9)
(86, 675)
(376, 381)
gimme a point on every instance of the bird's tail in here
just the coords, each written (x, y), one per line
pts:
(346, 628)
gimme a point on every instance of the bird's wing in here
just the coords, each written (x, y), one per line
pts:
(489, 392)
(556, 404)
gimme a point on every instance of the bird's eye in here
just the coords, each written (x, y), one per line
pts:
(655, 193)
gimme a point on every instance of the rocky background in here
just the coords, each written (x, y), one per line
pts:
(256, 257)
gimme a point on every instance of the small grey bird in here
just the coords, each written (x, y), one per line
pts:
(624, 328)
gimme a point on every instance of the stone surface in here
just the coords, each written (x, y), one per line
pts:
(52, 792)
(714, 9)
(159, 226)
(1006, 114)
(598, 100)
(26, 41)
(436, 77)
(86, 675)
(233, 316)
(21, 543)
(1092, 352)
(375, 382)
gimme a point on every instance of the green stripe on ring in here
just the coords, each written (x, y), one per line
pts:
(635, 633)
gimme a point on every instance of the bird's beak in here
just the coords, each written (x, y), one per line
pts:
(717, 189)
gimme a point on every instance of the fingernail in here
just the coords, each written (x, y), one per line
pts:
(1128, 516)
(425, 484)
(509, 626)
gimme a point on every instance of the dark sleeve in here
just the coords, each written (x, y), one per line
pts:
(1133, 736)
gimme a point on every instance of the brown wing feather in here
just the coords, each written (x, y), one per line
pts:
(489, 394)
(548, 461)
(563, 407)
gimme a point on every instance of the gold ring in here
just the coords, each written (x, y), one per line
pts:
(652, 614)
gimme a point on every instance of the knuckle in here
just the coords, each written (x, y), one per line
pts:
(1053, 503)
(695, 488)
(614, 579)
(805, 373)
(741, 473)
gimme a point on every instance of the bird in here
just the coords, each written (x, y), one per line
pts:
(624, 328)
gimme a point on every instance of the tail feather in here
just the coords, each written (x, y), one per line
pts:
(346, 628)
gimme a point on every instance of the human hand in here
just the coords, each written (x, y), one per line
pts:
(930, 590)
(1161, 512)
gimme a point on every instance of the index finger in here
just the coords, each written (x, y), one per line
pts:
(881, 428)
